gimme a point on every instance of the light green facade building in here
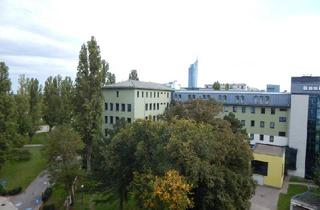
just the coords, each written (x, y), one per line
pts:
(131, 100)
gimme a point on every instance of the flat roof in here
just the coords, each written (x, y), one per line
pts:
(266, 149)
(134, 84)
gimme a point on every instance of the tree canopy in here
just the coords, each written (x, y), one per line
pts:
(133, 75)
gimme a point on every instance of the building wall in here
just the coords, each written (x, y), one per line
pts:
(266, 118)
(140, 102)
(137, 102)
(298, 131)
(275, 174)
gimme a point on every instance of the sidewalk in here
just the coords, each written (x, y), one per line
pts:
(5, 204)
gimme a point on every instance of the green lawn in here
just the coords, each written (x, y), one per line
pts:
(300, 180)
(284, 199)
(22, 173)
(40, 138)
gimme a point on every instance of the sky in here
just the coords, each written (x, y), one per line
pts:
(255, 42)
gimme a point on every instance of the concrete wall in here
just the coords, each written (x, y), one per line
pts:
(275, 169)
(298, 131)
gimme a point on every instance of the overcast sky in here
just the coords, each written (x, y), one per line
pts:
(254, 42)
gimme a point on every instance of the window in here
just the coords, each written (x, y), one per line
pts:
(117, 107)
(261, 99)
(252, 123)
(167, 105)
(237, 99)
(255, 98)
(261, 136)
(129, 107)
(117, 119)
(224, 98)
(137, 94)
(105, 106)
(267, 99)
(167, 95)
(243, 122)
(146, 107)
(150, 94)
(225, 109)
(220, 97)
(272, 125)
(263, 110)
(146, 118)
(154, 118)
(111, 119)
(142, 94)
(150, 106)
(234, 109)
(260, 167)
(193, 96)
(251, 137)
(117, 94)
(189, 96)
(282, 119)
(154, 106)
(129, 120)
(123, 107)
(271, 138)
(106, 119)
(204, 96)
(157, 106)
(282, 133)
(261, 124)
(242, 99)
(243, 109)
(106, 132)
(283, 109)
(253, 110)
(111, 106)
(305, 87)
(273, 110)
(180, 96)
(147, 94)
(158, 95)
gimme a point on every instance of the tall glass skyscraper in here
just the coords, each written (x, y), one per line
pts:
(193, 75)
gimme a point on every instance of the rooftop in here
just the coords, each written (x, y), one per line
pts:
(269, 150)
(308, 199)
(134, 84)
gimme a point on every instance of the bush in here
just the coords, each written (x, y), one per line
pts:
(13, 191)
(49, 207)
(46, 194)
(20, 154)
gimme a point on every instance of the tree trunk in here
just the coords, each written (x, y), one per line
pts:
(121, 203)
(89, 155)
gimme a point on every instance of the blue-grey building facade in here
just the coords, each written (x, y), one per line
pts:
(193, 75)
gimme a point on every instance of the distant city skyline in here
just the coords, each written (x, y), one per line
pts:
(254, 42)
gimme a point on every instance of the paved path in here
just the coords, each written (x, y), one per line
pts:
(5, 204)
(30, 199)
(266, 198)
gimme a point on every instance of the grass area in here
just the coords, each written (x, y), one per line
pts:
(300, 180)
(39, 138)
(284, 199)
(58, 197)
(22, 173)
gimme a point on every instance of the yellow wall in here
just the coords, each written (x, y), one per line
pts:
(275, 169)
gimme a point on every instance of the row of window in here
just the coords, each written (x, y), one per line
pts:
(112, 120)
(253, 109)
(154, 106)
(262, 137)
(151, 93)
(110, 107)
(262, 124)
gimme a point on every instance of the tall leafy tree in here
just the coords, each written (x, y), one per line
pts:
(34, 96)
(63, 152)
(57, 101)
(216, 85)
(7, 114)
(90, 78)
(111, 78)
(133, 75)
(22, 102)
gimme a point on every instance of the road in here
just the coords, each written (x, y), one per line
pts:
(30, 199)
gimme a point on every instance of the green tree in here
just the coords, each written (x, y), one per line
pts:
(90, 78)
(234, 123)
(57, 101)
(111, 78)
(34, 112)
(227, 86)
(133, 75)
(216, 85)
(63, 153)
(22, 102)
(8, 135)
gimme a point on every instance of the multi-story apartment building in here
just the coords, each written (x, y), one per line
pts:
(287, 124)
(193, 75)
(131, 100)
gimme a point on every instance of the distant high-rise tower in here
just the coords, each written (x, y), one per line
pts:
(193, 75)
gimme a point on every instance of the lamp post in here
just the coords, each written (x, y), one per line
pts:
(82, 186)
